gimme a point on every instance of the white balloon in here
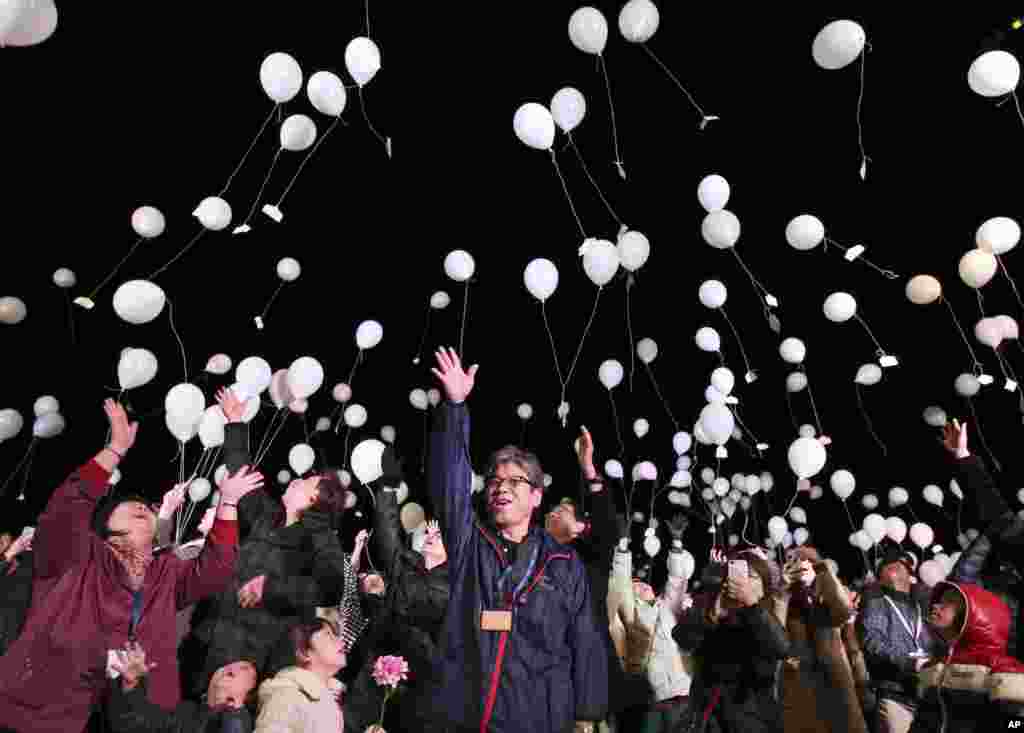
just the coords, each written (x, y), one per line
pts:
(712, 294)
(954, 489)
(935, 416)
(700, 435)
(842, 482)
(896, 529)
(342, 392)
(777, 528)
(967, 385)
(923, 289)
(524, 411)
(721, 229)
(798, 515)
(418, 399)
(199, 489)
(801, 535)
(387, 434)
(148, 222)
(713, 193)
(534, 126)
(645, 471)
(214, 213)
(402, 492)
(362, 59)
(767, 481)
(838, 44)
(989, 331)
(279, 391)
(647, 350)
(12, 310)
(588, 30)
(720, 486)
(681, 442)
(323, 424)
(45, 405)
(610, 373)
(708, 339)
(254, 374)
(863, 540)
(185, 405)
(752, 484)
(1008, 327)
(36, 22)
(49, 425)
(817, 492)
(298, 133)
(634, 250)
(921, 535)
(793, 351)
(869, 502)
(806, 457)
(614, 469)
(64, 278)
(796, 382)
(683, 463)
(638, 20)
(568, 107)
(807, 431)
(718, 423)
(289, 269)
(874, 525)
(805, 232)
(211, 427)
(977, 268)
(284, 476)
(11, 423)
(139, 301)
(355, 416)
(459, 265)
(898, 496)
(723, 380)
(440, 300)
(301, 458)
(931, 573)
(136, 368)
(933, 495)
(840, 307)
(369, 334)
(868, 375)
(541, 278)
(219, 364)
(994, 74)
(600, 261)
(641, 427)
(280, 77)
(367, 461)
(652, 545)
(681, 480)
(998, 235)
(326, 93)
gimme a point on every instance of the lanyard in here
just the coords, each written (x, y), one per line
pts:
(915, 633)
(136, 613)
(526, 576)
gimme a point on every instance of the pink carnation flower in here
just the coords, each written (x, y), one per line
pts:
(389, 671)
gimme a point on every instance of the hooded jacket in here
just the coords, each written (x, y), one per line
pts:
(297, 701)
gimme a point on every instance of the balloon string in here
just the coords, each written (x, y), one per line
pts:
(181, 345)
(305, 160)
(348, 432)
(981, 436)
(792, 502)
(17, 468)
(739, 342)
(185, 249)
(263, 187)
(554, 350)
(583, 164)
(213, 462)
(611, 111)
(117, 267)
(423, 453)
(367, 35)
(792, 417)
(860, 102)
(270, 442)
(565, 189)
(71, 317)
(850, 517)
(362, 107)
(657, 391)
(888, 273)
(462, 326)
(867, 421)
(266, 434)
(978, 368)
(618, 431)
(675, 80)
(754, 281)
(352, 373)
(739, 419)
(1016, 102)
(862, 322)
(252, 145)
(423, 338)
(28, 472)
(271, 301)
(981, 302)
(814, 408)
(629, 334)
(1013, 283)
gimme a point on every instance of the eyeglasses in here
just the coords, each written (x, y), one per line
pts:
(493, 483)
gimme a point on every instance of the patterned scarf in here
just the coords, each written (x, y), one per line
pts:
(134, 561)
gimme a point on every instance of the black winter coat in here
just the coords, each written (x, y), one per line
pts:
(15, 598)
(131, 712)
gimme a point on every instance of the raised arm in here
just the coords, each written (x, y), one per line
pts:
(602, 531)
(64, 535)
(450, 478)
(387, 529)
(980, 489)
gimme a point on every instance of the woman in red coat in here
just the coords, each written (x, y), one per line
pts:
(98, 586)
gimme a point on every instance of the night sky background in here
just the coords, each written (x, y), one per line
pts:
(155, 104)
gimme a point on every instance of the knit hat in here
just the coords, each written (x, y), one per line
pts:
(896, 553)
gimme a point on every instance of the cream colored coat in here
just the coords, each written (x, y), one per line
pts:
(297, 701)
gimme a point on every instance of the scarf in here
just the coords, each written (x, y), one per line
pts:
(134, 561)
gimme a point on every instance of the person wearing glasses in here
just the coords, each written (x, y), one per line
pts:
(521, 649)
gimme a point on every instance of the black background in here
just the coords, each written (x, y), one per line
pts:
(155, 104)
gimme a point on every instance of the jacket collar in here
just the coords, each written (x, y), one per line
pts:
(311, 686)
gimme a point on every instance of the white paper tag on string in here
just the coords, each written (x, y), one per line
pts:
(751, 377)
(985, 379)
(888, 360)
(854, 252)
(259, 322)
(730, 400)
(721, 452)
(1010, 386)
(825, 440)
(864, 170)
(85, 303)
(242, 229)
(771, 300)
(762, 446)
(387, 146)
(273, 212)
(707, 118)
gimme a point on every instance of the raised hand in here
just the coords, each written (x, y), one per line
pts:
(122, 432)
(20, 545)
(250, 595)
(172, 500)
(457, 382)
(131, 663)
(585, 454)
(954, 438)
(232, 407)
(235, 487)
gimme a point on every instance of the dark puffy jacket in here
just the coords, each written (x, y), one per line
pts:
(735, 690)
(305, 569)
(552, 668)
(15, 597)
(981, 685)
(131, 712)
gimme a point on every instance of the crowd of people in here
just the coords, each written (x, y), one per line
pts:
(495, 615)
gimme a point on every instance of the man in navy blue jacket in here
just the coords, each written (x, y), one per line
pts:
(521, 650)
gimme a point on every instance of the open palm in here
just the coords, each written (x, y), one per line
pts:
(457, 382)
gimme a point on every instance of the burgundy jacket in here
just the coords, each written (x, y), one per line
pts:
(55, 673)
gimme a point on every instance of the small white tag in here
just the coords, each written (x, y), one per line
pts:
(242, 229)
(112, 673)
(1010, 386)
(387, 146)
(771, 300)
(273, 212)
(751, 377)
(721, 452)
(762, 446)
(85, 303)
(864, 170)
(985, 379)
(622, 171)
(730, 400)
(854, 252)
(825, 440)
(259, 322)
(708, 118)
(888, 360)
